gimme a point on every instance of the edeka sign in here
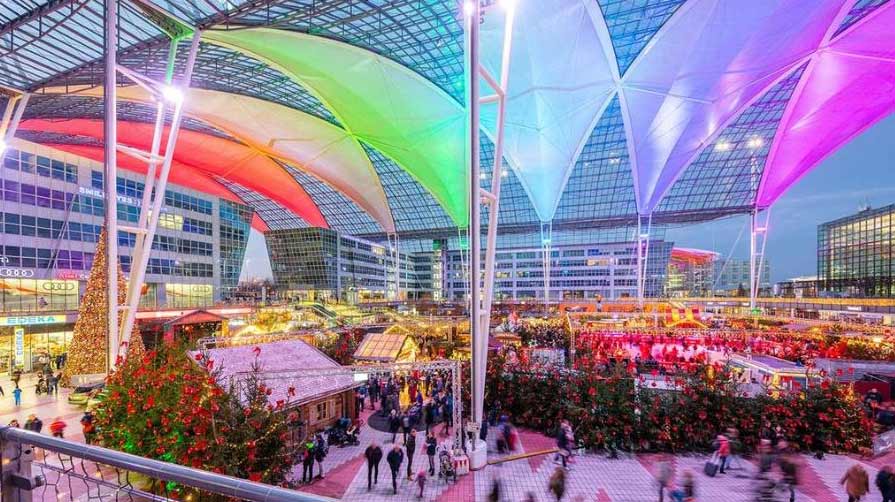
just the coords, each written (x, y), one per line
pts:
(20, 346)
(32, 320)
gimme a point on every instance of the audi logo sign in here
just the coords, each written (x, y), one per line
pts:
(57, 286)
(16, 272)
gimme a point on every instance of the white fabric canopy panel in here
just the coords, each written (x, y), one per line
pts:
(709, 62)
(295, 137)
(561, 79)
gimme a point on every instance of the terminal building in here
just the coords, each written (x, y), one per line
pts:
(51, 210)
(854, 255)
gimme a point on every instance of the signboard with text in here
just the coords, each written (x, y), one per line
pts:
(20, 346)
(32, 320)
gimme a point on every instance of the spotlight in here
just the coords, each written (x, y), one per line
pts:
(755, 143)
(172, 94)
(483, 176)
(468, 8)
(723, 146)
(504, 173)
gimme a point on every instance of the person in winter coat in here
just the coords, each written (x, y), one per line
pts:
(394, 459)
(410, 446)
(33, 423)
(373, 454)
(320, 451)
(856, 483)
(394, 423)
(57, 428)
(307, 462)
(723, 451)
(431, 447)
(885, 481)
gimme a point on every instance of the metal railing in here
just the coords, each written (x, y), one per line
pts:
(39, 467)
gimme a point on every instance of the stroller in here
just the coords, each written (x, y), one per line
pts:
(343, 433)
(446, 469)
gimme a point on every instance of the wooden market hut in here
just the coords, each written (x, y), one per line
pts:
(321, 399)
(394, 345)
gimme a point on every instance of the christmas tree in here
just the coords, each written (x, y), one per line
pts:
(168, 406)
(89, 344)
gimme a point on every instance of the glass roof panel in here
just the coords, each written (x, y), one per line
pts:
(727, 173)
(515, 206)
(274, 214)
(413, 207)
(860, 9)
(341, 213)
(632, 23)
(600, 185)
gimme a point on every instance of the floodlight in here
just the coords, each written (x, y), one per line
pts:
(172, 94)
(468, 8)
(723, 146)
(504, 173)
(755, 143)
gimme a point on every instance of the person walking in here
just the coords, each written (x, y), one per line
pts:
(307, 462)
(431, 447)
(558, 483)
(405, 425)
(564, 440)
(34, 424)
(394, 459)
(664, 475)
(789, 468)
(394, 423)
(52, 384)
(320, 451)
(687, 491)
(428, 414)
(885, 482)
(373, 454)
(856, 482)
(57, 428)
(17, 395)
(723, 451)
(410, 446)
(421, 481)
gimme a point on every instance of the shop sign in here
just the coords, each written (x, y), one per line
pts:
(124, 199)
(32, 320)
(20, 346)
(16, 272)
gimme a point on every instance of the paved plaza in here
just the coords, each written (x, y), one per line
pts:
(591, 478)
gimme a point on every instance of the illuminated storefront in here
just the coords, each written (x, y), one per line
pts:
(37, 335)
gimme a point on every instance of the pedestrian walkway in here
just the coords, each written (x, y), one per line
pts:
(591, 478)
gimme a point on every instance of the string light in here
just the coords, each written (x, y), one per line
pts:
(89, 344)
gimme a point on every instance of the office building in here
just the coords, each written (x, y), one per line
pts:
(854, 254)
(731, 277)
(690, 273)
(51, 210)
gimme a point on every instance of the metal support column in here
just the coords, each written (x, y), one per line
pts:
(643, 242)
(155, 189)
(758, 226)
(546, 241)
(493, 197)
(472, 11)
(110, 139)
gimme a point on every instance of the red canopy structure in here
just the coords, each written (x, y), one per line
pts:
(203, 153)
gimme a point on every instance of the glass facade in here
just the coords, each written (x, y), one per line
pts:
(236, 224)
(577, 272)
(854, 254)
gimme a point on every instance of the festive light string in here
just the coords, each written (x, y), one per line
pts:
(89, 344)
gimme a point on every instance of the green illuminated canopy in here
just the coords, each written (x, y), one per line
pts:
(378, 101)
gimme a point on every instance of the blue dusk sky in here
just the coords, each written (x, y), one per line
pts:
(860, 173)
